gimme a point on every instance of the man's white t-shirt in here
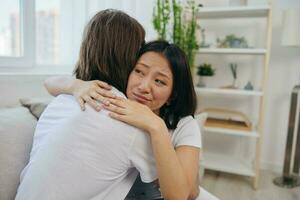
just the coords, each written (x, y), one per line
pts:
(84, 155)
(88, 155)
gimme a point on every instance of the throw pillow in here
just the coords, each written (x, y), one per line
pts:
(35, 105)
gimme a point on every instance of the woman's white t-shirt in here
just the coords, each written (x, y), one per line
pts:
(187, 133)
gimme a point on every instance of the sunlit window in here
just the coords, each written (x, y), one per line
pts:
(10, 28)
(47, 24)
(47, 34)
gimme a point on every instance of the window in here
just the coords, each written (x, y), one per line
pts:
(47, 24)
(44, 36)
(10, 29)
(39, 33)
(58, 30)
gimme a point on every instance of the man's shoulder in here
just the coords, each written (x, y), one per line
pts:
(64, 98)
(61, 105)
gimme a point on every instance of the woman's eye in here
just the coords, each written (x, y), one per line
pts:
(160, 82)
(138, 71)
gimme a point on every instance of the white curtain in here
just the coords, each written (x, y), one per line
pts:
(140, 10)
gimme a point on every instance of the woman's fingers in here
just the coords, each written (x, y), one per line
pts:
(105, 93)
(118, 117)
(115, 109)
(81, 103)
(120, 102)
(103, 85)
(99, 98)
(93, 103)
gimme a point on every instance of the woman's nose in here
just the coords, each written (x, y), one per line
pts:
(145, 86)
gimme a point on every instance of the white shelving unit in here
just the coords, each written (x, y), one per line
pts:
(201, 91)
(233, 51)
(226, 131)
(229, 163)
(233, 12)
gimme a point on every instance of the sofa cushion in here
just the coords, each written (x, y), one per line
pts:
(35, 105)
(17, 127)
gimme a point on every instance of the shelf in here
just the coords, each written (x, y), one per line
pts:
(247, 51)
(224, 161)
(233, 12)
(228, 164)
(227, 131)
(237, 92)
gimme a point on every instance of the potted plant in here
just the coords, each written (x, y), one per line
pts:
(232, 41)
(205, 71)
(176, 22)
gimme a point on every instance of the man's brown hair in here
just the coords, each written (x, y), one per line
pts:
(109, 48)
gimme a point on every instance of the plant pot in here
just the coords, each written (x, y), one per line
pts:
(203, 81)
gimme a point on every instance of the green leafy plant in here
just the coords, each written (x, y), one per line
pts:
(206, 70)
(182, 28)
(161, 17)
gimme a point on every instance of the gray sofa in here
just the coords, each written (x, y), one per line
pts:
(17, 125)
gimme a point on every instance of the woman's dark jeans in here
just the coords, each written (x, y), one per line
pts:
(144, 191)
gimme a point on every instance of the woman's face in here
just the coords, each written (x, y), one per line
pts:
(151, 81)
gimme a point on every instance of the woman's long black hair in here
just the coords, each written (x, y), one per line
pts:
(183, 98)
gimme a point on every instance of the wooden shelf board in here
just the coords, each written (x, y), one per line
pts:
(240, 92)
(233, 12)
(246, 51)
(227, 131)
(227, 164)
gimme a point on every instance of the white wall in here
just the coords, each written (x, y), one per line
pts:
(283, 75)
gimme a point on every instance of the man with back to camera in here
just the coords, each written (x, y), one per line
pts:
(89, 155)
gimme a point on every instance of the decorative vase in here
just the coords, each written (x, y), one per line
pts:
(203, 81)
(234, 83)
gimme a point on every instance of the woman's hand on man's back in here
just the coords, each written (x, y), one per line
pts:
(92, 92)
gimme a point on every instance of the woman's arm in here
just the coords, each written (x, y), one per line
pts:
(177, 170)
(60, 85)
(195, 191)
(84, 91)
(188, 162)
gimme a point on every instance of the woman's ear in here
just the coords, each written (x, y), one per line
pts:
(172, 98)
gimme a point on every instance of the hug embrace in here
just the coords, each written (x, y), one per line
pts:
(123, 127)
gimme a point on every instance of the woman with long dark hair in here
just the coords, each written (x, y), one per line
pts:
(162, 102)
